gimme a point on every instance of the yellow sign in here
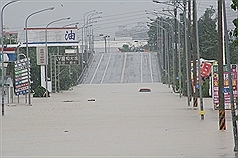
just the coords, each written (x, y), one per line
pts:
(201, 112)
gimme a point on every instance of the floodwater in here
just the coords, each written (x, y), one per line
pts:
(121, 122)
(107, 117)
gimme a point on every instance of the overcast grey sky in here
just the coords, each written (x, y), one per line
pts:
(114, 12)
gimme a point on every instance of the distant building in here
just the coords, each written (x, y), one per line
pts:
(138, 32)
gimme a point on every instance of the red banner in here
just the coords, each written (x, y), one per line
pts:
(205, 69)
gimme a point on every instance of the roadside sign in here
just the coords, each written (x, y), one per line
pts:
(41, 56)
(21, 76)
(67, 60)
(225, 90)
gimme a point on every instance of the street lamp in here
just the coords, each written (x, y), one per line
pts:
(83, 27)
(91, 33)
(165, 48)
(177, 48)
(71, 24)
(27, 51)
(172, 29)
(46, 51)
(185, 39)
(87, 31)
(2, 52)
(83, 33)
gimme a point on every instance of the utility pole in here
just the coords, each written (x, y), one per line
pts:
(177, 49)
(189, 48)
(201, 112)
(186, 50)
(232, 102)
(195, 92)
(222, 120)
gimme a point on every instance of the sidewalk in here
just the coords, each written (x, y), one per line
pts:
(121, 122)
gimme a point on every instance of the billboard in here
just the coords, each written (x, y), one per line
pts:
(54, 35)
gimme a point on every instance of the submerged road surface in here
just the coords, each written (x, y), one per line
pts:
(107, 117)
(121, 122)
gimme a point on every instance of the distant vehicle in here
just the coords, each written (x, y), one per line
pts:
(144, 90)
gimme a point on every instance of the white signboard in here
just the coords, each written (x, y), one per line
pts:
(54, 35)
(70, 51)
(41, 56)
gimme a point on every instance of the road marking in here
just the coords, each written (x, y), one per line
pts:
(106, 68)
(96, 68)
(123, 68)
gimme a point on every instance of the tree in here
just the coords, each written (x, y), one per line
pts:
(208, 35)
(125, 48)
(234, 6)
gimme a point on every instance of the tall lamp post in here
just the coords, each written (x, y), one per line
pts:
(177, 48)
(166, 41)
(27, 51)
(172, 35)
(176, 6)
(87, 31)
(2, 52)
(84, 23)
(46, 51)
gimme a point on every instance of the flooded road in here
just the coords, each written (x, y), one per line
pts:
(121, 122)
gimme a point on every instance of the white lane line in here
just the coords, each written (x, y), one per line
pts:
(123, 68)
(96, 68)
(106, 68)
(151, 72)
(141, 67)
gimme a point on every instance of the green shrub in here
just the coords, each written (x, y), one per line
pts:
(40, 92)
(205, 88)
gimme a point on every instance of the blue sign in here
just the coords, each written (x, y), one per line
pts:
(225, 90)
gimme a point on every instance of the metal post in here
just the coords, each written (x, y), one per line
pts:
(105, 38)
(82, 49)
(172, 35)
(84, 31)
(157, 42)
(163, 54)
(222, 114)
(46, 50)
(46, 72)
(167, 52)
(186, 51)
(2, 33)
(195, 82)
(51, 75)
(179, 63)
(55, 74)
(58, 77)
(27, 51)
(166, 55)
(199, 63)
(189, 47)
(176, 56)
(233, 111)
